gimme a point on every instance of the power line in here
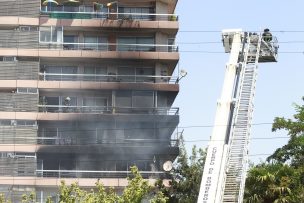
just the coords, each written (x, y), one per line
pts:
(259, 154)
(259, 31)
(80, 129)
(220, 42)
(222, 52)
(254, 138)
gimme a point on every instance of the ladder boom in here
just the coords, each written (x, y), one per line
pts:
(225, 168)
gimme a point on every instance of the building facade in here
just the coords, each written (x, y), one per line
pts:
(86, 91)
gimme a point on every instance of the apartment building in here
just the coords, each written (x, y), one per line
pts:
(86, 91)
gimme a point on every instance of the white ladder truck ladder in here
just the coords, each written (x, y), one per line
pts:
(225, 168)
(236, 166)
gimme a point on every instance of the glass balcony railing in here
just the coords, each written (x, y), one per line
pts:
(71, 139)
(108, 78)
(97, 174)
(109, 110)
(109, 46)
(67, 12)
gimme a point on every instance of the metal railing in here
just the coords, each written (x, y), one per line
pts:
(73, 140)
(62, 12)
(107, 78)
(109, 110)
(271, 46)
(97, 174)
(108, 46)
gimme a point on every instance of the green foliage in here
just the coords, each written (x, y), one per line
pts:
(160, 198)
(293, 151)
(186, 176)
(3, 200)
(281, 180)
(136, 190)
(274, 183)
(73, 194)
(31, 198)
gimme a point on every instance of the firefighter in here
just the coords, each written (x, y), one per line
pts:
(67, 104)
(267, 36)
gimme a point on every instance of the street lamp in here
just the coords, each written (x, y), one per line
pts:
(182, 73)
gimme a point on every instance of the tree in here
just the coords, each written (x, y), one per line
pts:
(186, 176)
(3, 200)
(293, 151)
(268, 182)
(281, 178)
(137, 190)
(29, 198)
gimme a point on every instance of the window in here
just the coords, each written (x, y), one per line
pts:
(136, 44)
(27, 90)
(8, 58)
(126, 44)
(135, 99)
(61, 73)
(28, 28)
(131, 13)
(51, 34)
(45, 34)
(70, 42)
(95, 43)
(126, 74)
(68, 73)
(124, 98)
(52, 103)
(147, 72)
(143, 99)
(145, 40)
(5, 122)
(95, 73)
(109, 136)
(171, 45)
(26, 123)
(94, 103)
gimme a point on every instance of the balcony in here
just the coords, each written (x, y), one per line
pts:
(18, 164)
(69, 140)
(19, 70)
(19, 102)
(97, 174)
(89, 12)
(18, 134)
(109, 110)
(28, 8)
(109, 47)
(22, 37)
(103, 136)
(108, 78)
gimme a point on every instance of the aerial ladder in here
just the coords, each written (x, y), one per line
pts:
(224, 175)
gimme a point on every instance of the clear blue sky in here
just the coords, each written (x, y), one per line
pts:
(279, 85)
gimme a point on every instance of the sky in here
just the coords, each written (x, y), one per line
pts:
(278, 86)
